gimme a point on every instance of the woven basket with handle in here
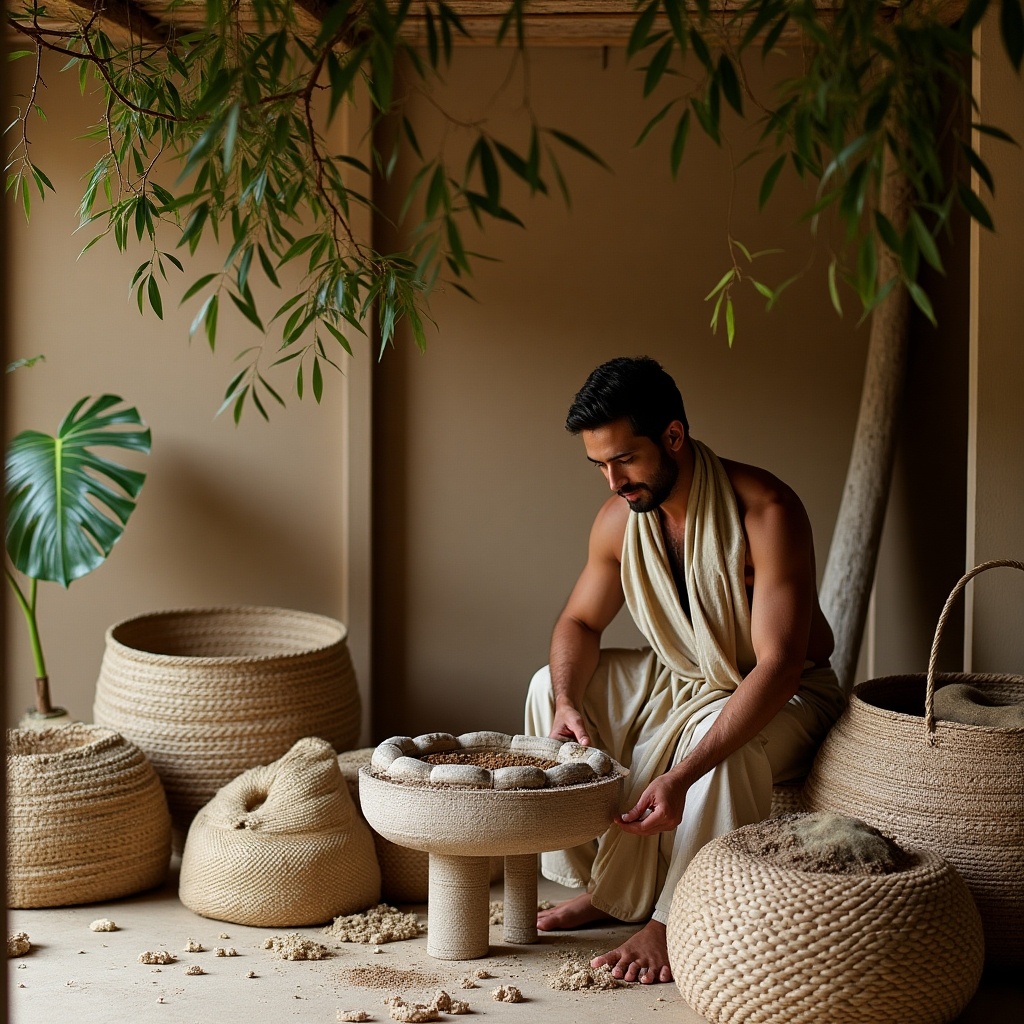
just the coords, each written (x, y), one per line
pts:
(952, 787)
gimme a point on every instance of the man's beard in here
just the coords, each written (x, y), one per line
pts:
(646, 497)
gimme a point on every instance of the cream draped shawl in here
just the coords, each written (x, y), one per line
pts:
(703, 658)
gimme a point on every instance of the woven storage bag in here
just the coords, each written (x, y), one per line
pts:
(86, 817)
(404, 873)
(952, 787)
(208, 693)
(752, 941)
(281, 846)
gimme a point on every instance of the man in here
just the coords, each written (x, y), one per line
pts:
(715, 561)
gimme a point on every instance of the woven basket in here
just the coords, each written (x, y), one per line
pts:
(281, 846)
(86, 817)
(404, 872)
(955, 788)
(208, 693)
(752, 941)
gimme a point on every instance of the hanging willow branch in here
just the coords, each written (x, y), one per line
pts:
(242, 101)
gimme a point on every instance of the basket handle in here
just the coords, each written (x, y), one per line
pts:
(929, 693)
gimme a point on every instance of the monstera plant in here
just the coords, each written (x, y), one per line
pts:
(67, 506)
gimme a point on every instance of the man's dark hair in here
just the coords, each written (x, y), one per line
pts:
(634, 389)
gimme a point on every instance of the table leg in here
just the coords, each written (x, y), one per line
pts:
(458, 904)
(521, 898)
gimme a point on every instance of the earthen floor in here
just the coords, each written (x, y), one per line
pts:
(76, 975)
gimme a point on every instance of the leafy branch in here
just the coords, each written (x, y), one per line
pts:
(245, 116)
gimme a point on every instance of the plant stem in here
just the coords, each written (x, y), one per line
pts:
(28, 609)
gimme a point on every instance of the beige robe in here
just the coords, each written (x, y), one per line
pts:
(649, 708)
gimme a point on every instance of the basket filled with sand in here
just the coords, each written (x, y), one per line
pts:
(819, 917)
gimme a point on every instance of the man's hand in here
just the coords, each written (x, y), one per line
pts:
(569, 725)
(659, 809)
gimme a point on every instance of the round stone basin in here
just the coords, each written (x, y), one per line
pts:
(461, 820)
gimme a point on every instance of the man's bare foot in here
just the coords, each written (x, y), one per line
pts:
(642, 957)
(572, 913)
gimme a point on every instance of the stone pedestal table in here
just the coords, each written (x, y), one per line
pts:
(462, 815)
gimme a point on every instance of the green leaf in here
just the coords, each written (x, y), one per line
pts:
(66, 505)
(659, 63)
(437, 192)
(1011, 24)
(833, 288)
(154, 298)
(723, 281)
(769, 179)
(197, 287)
(979, 166)
(921, 300)
(230, 134)
(975, 207)
(642, 29)
(489, 172)
(247, 310)
(318, 381)
(730, 84)
(925, 241)
(656, 120)
(730, 321)
(679, 142)
(579, 147)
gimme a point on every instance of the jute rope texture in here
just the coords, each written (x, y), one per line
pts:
(755, 942)
(208, 693)
(281, 846)
(955, 788)
(86, 817)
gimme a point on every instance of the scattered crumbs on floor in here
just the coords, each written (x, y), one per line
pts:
(545, 905)
(496, 912)
(157, 956)
(225, 951)
(576, 975)
(194, 969)
(223, 935)
(252, 974)
(410, 1013)
(507, 994)
(18, 944)
(468, 982)
(379, 924)
(296, 947)
(353, 1016)
(103, 924)
(191, 946)
(482, 974)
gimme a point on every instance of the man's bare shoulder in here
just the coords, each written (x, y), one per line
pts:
(763, 498)
(609, 528)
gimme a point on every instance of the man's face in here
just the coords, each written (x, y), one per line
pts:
(636, 468)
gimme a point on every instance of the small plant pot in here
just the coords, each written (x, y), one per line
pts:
(86, 817)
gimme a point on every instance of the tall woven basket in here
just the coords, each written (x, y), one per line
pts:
(210, 693)
(86, 817)
(955, 788)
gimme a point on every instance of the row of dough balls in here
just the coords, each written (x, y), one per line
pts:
(400, 759)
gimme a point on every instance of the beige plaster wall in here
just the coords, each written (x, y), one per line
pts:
(484, 503)
(248, 515)
(995, 509)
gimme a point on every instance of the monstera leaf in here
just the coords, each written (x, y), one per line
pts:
(66, 505)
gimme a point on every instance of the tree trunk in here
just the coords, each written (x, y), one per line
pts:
(853, 554)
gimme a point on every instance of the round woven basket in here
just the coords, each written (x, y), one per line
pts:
(209, 693)
(752, 941)
(954, 788)
(404, 872)
(86, 817)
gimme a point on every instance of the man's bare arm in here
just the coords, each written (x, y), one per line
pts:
(594, 602)
(781, 550)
